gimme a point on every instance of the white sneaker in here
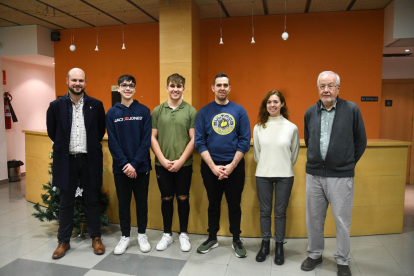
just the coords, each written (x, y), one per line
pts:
(144, 245)
(122, 245)
(185, 242)
(164, 242)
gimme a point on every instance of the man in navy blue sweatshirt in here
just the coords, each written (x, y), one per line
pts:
(222, 137)
(129, 141)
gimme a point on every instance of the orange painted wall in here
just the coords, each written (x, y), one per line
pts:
(103, 68)
(349, 43)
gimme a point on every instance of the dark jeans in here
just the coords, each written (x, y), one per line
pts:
(232, 188)
(282, 188)
(124, 188)
(78, 170)
(178, 184)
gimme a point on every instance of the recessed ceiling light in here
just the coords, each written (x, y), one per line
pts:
(407, 50)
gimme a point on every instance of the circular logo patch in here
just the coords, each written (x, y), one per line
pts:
(223, 123)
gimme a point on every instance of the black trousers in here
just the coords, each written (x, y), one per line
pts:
(124, 188)
(78, 171)
(232, 188)
(178, 184)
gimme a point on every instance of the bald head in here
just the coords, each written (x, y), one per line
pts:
(76, 70)
(76, 81)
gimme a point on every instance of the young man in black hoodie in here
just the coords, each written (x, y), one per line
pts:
(129, 140)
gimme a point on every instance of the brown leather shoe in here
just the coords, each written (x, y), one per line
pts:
(98, 247)
(61, 250)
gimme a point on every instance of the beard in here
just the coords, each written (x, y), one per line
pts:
(76, 93)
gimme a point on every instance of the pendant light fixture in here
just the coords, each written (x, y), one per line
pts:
(123, 38)
(97, 39)
(221, 27)
(253, 42)
(72, 46)
(285, 35)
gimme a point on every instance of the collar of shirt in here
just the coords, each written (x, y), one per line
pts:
(80, 101)
(333, 107)
(178, 107)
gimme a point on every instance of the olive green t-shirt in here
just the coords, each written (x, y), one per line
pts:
(173, 126)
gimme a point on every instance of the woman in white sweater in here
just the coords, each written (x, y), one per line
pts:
(276, 146)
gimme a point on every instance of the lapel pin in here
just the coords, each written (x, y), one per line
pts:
(90, 107)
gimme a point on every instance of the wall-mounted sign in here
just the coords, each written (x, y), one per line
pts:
(4, 76)
(388, 102)
(369, 99)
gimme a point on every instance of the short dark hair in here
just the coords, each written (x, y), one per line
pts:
(221, 75)
(127, 78)
(176, 78)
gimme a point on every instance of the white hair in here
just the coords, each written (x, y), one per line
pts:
(338, 79)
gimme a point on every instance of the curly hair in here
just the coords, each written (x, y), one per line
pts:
(264, 115)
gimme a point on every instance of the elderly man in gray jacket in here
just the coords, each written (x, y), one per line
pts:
(335, 138)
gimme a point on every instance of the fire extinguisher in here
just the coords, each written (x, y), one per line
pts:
(9, 114)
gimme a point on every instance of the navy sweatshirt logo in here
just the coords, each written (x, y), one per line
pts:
(223, 123)
(136, 118)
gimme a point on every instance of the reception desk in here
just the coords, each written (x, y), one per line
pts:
(378, 197)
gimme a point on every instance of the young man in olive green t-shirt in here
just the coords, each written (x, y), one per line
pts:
(172, 141)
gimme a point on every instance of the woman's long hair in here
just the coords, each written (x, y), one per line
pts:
(264, 115)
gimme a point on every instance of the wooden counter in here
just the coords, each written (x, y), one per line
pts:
(378, 197)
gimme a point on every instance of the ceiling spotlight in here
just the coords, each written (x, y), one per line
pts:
(96, 48)
(221, 41)
(123, 46)
(407, 50)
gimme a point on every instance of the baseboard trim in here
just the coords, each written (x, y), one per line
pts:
(4, 181)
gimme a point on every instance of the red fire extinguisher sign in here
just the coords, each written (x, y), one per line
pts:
(4, 77)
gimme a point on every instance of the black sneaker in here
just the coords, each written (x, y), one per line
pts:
(310, 264)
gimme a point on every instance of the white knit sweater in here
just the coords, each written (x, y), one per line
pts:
(276, 147)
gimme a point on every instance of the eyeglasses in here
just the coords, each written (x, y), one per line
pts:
(330, 87)
(125, 86)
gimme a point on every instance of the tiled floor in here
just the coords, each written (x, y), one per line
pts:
(26, 246)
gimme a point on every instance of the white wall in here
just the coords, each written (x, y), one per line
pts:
(18, 40)
(404, 19)
(45, 46)
(398, 68)
(33, 88)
